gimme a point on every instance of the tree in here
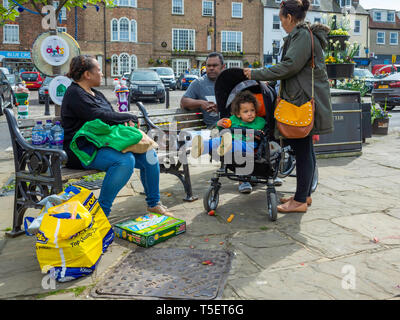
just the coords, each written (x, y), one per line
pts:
(11, 13)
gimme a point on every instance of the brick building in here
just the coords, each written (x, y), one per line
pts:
(144, 33)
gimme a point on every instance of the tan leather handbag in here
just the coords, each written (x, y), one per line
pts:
(295, 122)
(144, 145)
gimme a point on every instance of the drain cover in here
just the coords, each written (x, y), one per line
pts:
(90, 185)
(167, 273)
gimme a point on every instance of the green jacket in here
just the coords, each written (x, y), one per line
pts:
(257, 124)
(99, 134)
(294, 71)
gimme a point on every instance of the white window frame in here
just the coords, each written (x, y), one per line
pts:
(6, 4)
(278, 1)
(397, 39)
(394, 17)
(359, 27)
(377, 37)
(63, 10)
(181, 6)
(212, 8)
(233, 64)
(317, 20)
(274, 23)
(12, 41)
(132, 32)
(345, 3)
(316, 3)
(191, 45)
(131, 3)
(241, 10)
(116, 65)
(180, 62)
(226, 34)
(375, 16)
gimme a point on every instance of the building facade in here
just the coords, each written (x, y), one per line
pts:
(318, 13)
(384, 35)
(147, 33)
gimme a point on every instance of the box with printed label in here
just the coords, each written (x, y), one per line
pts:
(150, 229)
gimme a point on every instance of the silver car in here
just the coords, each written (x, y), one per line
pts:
(387, 91)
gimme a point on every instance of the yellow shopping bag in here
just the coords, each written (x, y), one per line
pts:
(73, 235)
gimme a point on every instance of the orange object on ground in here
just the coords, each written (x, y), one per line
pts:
(230, 218)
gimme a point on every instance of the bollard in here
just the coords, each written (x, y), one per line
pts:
(46, 104)
(167, 98)
(129, 100)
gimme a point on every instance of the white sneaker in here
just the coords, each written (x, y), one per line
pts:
(226, 144)
(197, 146)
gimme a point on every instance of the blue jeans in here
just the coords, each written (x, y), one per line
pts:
(119, 168)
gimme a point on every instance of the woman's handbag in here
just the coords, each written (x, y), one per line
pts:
(144, 145)
(295, 122)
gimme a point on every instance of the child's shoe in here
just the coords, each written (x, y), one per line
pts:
(226, 144)
(197, 146)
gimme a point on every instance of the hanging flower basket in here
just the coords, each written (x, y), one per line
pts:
(340, 70)
(342, 41)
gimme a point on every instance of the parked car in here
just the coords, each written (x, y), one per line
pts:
(382, 70)
(185, 80)
(33, 79)
(167, 76)
(126, 76)
(5, 70)
(43, 88)
(6, 93)
(366, 76)
(387, 91)
(146, 84)
(14, 80)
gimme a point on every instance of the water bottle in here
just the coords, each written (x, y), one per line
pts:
(47, 129)
(56, 136)
(38, 134)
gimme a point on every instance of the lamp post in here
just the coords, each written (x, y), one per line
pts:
(274, 47)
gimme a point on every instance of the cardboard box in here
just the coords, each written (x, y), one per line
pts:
(148, 230)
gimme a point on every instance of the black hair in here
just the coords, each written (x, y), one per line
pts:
(242, 97)
(216, 54)
(79, 65)
(296, 8)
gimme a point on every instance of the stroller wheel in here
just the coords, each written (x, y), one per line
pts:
(287, 165)
(315, 179)
(272, 202)
(211, 199)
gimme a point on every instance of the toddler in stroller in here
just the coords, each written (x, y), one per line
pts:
(262, 154)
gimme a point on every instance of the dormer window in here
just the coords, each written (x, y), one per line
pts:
(390, 17)
(345, 3)
(377, 16)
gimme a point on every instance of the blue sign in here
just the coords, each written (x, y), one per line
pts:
(16, 54)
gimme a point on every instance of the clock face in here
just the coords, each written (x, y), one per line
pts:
(52, 54)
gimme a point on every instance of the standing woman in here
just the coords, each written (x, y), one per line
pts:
(295, 72)
(83, 103)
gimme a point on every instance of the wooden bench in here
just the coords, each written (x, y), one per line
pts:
(40, 171)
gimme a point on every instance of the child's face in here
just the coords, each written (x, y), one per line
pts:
(247, 112)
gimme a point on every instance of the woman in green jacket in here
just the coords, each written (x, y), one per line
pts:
(295, 72)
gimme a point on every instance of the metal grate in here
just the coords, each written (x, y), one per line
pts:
(167, 273)
(91, 185)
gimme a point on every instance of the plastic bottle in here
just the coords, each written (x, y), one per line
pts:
(38, 134)
(47, 129)
(57, 136)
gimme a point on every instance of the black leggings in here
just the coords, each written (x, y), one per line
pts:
(305, 166)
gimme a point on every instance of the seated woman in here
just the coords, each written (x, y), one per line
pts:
(82, 103)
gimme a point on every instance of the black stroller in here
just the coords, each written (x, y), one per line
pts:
(266, 165)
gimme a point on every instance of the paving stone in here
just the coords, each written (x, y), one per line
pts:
(379, 225)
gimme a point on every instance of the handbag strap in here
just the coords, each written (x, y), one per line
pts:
(312, 67)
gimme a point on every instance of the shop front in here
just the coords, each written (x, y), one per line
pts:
(16, 61)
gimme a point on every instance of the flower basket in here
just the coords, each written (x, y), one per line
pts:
(340, 38)
(380, 126)
(340, 70)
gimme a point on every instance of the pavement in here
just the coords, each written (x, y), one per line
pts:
(346, 247)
